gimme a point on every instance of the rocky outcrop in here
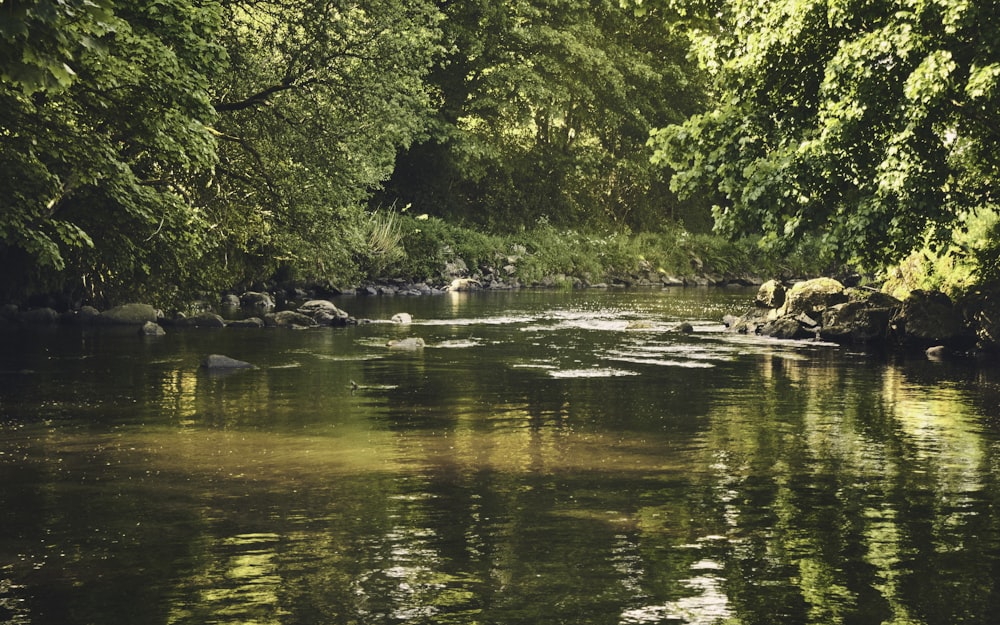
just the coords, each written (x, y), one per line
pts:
(823, 308)
(931, 318)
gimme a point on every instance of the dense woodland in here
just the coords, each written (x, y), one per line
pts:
(161, 148)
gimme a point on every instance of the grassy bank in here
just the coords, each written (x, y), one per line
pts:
(426, 249)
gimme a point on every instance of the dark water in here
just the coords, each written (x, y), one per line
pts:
(539, 462)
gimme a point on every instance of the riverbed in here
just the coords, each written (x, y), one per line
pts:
(548, 457)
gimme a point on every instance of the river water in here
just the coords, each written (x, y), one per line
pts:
(549, 457)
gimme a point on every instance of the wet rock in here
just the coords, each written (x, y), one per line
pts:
(684, 328)
(289, 319)
(786, 328)
(402, 318)
(937, 352)
(151, 329)
(220, 362)
(464, 284)
(230, 301)
(408, 344)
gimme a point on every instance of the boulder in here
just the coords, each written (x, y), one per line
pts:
(856, 322)
(230, 301)
(812, 296)
(220, 362)
(87, 315)
(151, 329)
(324, 313)
(771, 294)
(289, 319)
(930, 318)
(249, 322)
(463, 284)
(203, 320)
(40, 316)
(411, 344)
(315, 306)
(786, 328)
(128, 314)
(402, 318)
(257, 300)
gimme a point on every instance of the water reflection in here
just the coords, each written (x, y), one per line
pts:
(539, 461)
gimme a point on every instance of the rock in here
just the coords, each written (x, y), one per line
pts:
(930, 318)
(937, 352)
(87, 315)
(128, 314)
(249, 322)
(684, 328)
(203, 320)
(786, 328)
(408, 344)
(856, 322)
(40, 316)
(320, 307)
(218, 361)
(638, 324)
(230, 301)
(812, 296)
(402, 318)
(289, 319)
(807, 322)
(151, 329)
(325, 313)
(463, 284)
(257, 300)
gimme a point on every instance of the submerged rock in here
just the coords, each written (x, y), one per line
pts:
(402, 318)
(408, 344)
(220, 362)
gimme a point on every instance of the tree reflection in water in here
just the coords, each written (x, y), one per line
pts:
(539, 461)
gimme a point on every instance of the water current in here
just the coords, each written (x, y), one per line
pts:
(548, 457)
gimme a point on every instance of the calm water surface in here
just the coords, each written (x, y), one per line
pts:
(540, 461)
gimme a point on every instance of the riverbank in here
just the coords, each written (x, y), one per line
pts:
(811, 309)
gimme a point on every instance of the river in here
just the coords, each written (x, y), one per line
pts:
(548, 457)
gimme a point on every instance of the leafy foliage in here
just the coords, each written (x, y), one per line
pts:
(866, 124)
(546, 109)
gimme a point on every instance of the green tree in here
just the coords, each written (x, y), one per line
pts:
(318, 98)
(152, 149)
(866, 124)
(546, 107)
(104, 121)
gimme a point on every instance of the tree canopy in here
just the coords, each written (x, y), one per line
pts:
(546, 108)
(186, 143)
(868, 125)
